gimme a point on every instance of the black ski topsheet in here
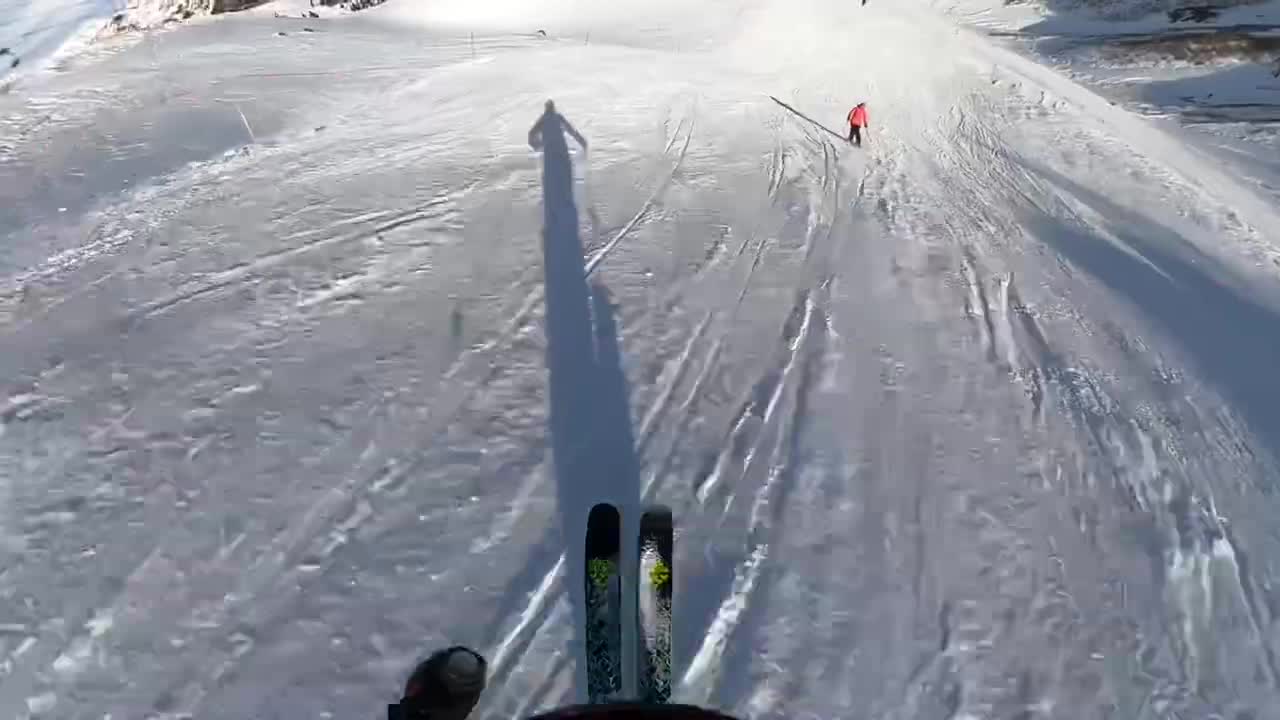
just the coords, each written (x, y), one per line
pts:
(604, 604)
(656, 585)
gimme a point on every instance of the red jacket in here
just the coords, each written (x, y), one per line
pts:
(858, 116)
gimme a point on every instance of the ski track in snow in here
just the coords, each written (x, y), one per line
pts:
(955, 425)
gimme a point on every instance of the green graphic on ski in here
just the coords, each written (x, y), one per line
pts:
(656, 583)
(604, 604)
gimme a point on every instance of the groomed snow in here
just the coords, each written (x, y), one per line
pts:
(975, 422)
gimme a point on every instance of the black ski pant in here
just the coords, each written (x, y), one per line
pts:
(855, 134)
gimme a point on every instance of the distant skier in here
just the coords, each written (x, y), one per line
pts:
(857, 121)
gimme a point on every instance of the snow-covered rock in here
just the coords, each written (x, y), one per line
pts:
(145, 14)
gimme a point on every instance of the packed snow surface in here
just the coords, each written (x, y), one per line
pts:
(38, 32)
(1209, 73)
(311, 364)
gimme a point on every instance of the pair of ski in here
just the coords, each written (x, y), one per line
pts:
(652, 624)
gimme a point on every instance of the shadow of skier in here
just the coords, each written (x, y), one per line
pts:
(593, 446)
(1228, 333)
(810, 120)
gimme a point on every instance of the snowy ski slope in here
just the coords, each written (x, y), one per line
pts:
(39, 32)
(977, 422)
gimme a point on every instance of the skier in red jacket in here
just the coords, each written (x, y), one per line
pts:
(857, 121)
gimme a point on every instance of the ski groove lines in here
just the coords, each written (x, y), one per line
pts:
(758, 409)
(659, 406)
(687, 411)
(600, 254)
(252, 270)
(775, 170)
(767, 390)
(713, 261)
(763, 438)
(787, 384)
(823, 201)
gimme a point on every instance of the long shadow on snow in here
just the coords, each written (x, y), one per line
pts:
(802, 116)
(592, 441)
(1235, 342)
